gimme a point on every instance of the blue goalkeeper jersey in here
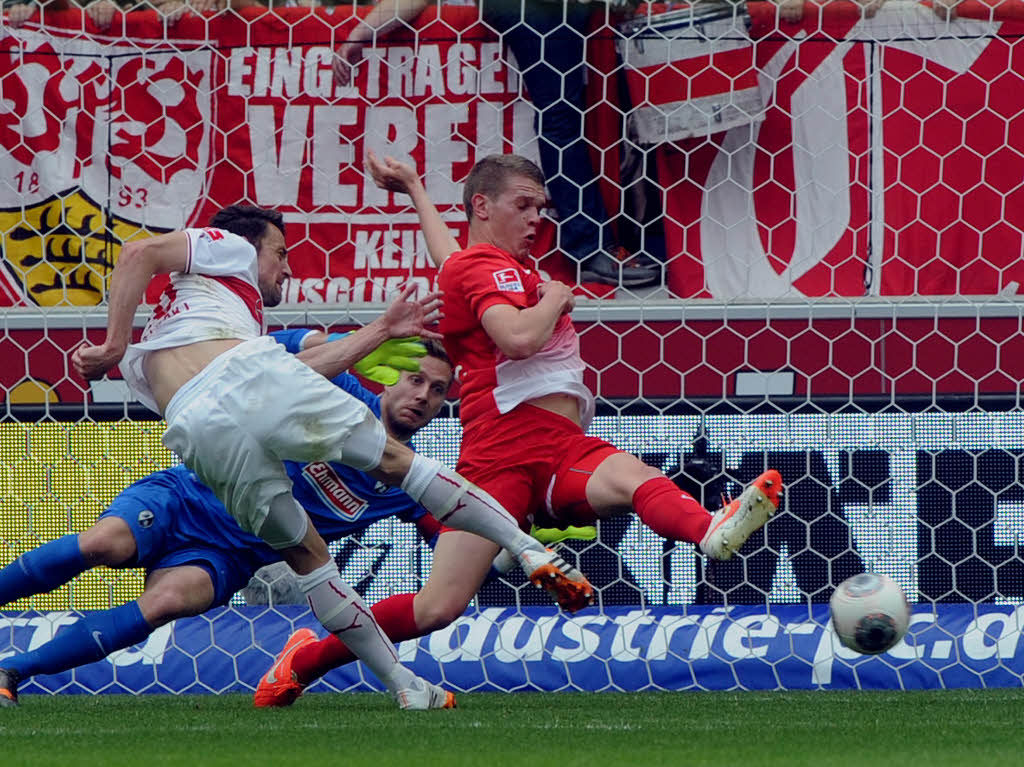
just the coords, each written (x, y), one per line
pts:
(340, 500)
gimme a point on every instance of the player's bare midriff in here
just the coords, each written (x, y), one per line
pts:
(564, 404)
(167, 370)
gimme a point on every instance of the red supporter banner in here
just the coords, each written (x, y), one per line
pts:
(887, 161)
(110, 138)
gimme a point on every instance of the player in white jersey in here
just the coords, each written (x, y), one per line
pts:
(237, 405)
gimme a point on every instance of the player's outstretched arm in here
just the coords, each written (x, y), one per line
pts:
(135, 267)
(405, 318)
(400, 177)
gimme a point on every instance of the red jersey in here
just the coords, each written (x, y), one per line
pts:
(475, 279)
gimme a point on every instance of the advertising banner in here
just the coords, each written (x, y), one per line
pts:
(541, 649)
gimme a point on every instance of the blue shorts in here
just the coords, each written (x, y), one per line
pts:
(176, 525)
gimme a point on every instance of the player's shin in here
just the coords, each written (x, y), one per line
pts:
(42, 569)
(91, 638)
(459, 504)
(671, 512)
(395, 615)
(342, 612)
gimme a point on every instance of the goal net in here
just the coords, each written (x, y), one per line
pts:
(829, 206)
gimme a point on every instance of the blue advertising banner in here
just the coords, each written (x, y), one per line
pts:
(541, 649)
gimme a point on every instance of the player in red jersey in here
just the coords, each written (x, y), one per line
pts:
(524, 411)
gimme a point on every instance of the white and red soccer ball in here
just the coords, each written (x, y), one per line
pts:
(870, 613)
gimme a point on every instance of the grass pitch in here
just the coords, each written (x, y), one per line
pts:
(956, 727)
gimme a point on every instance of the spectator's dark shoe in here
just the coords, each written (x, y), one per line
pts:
(618, 267)
(8, 688)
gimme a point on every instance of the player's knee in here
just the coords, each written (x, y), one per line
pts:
(366, 445)
(286, 524)
(618, 478)
(433, 614)
(109, 542)
(311, 553)
(165, 603)
(394, 463)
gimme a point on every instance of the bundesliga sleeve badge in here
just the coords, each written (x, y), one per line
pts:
(508, 281)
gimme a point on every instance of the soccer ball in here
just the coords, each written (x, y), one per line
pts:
(870, 613)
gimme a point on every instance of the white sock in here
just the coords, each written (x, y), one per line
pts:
(342, 612)
(457, 503)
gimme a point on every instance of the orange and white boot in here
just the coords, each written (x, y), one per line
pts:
(279, 687)
(8, 688)
(565, 583)
(739, 518)
(421, 695)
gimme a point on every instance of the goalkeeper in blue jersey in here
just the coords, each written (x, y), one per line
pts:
(195, 555)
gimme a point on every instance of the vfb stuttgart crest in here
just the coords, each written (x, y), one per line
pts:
(102, 145)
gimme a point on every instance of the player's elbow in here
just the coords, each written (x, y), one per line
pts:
(137, 258)
(132, 256)
(155, 255)
(518, 346)
(517, 352)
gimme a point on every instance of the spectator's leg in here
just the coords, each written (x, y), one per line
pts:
(549, 43)
(550, 51)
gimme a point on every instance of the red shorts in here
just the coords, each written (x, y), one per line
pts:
(535, 463)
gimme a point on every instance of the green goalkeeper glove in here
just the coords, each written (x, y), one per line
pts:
(549, 535)
(546, 535)
(385, 363)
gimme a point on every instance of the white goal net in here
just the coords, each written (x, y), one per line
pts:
(825, 216)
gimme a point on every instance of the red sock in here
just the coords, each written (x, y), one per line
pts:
(670, 512)
(395, 616)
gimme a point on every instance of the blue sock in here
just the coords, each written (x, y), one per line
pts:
(41, 570)
(92, 637)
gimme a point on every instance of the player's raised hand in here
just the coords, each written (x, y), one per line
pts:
(558, 291)
(432, 303)
(390, 174)
(92, 362)
(408, 316)
(386, 363)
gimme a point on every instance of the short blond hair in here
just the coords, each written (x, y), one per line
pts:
(491, 174)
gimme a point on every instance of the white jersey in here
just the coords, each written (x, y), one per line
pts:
(216, 297)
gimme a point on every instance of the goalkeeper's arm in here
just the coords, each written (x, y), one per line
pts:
(384, 364)
(405, 317)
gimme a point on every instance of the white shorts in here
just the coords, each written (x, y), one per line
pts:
(253, 407)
